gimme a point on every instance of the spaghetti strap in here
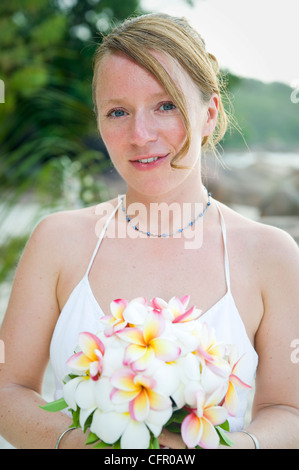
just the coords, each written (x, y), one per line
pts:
(226, 260)
(101, 238)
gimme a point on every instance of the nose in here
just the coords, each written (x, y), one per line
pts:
(143, 129)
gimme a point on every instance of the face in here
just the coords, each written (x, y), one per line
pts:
(143, 129)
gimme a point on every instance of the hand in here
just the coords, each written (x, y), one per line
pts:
(171, 440)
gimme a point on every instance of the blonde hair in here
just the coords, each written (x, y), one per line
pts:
(137, 37)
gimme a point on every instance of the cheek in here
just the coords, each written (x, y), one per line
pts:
(114, 139)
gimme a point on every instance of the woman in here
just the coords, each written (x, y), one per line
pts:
(158, 104)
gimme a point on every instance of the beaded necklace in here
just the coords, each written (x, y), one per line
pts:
(164, 235)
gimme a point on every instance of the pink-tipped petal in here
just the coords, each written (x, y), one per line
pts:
(117, 308)
(231, 400)
(132, 335)
(191, 430)
(216, 414)
(185, 300)
(191, 314)
(89, 342)
(209, 438)
(205, 355)
(154, 327)
(144, 361)
(237, 381)
(158, 304)
(144, 381)
(119, 397)
(123, 379)
(158, 402)
(133, 353)
(165, 349)
(139, 407)
(79, 362)
(176, 307)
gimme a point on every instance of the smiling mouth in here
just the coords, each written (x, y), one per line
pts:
(147, 160)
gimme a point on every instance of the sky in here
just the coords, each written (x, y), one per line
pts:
(251, 38)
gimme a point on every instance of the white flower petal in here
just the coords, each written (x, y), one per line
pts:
(103, 388)
(135, 436)
(211, 381)
(69, 390)
(85, 394)
(84, 414)
(179, 396)
(191, 390)
(113, 359)
(156, 420)
(109, 426)
(167, 379)
(191, 367)
(135, 313)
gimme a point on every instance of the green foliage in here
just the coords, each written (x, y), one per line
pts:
(54, 406)
(266, 115)
(49, 144)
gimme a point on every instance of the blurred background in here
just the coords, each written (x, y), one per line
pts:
(51, 155)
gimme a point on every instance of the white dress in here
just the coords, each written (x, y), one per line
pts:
(82, 313)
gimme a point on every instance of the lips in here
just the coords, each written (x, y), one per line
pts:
(148, 162)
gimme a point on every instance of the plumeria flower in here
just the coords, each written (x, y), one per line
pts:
(110, 426)
(175, 309)
(231, 397)
(147, 343)
(124, 313)
(130, 405)
(138, 390)
(115, 320)
(80, 392)
(198, 427)
(90, 359)
(210, 352)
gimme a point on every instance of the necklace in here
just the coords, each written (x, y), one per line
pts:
(164, 235)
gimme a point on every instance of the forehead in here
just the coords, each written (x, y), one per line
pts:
(117, 70)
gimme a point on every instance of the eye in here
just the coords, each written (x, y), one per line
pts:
(168, 106)
(116, 113)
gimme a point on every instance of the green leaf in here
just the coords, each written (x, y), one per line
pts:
(224, 436)
(173, 427)
(101, 445)
(76, 417)
(155, 443)
(225, 426)
(91, 438)
(56, 405)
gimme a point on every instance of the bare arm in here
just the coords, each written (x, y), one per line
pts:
(26, 331)
(275, 416)
(276, 405)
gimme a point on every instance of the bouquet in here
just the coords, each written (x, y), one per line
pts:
(151, 365)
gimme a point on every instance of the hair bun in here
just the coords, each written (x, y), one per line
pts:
(214, 62)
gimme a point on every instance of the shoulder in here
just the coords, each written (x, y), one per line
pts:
(78, 222)
(60, 233)
(273, 250)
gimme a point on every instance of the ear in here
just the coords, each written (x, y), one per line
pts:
(211, 115)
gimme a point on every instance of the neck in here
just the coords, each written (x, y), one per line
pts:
(168, 213)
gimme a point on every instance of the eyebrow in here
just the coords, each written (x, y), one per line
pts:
(117, 101)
